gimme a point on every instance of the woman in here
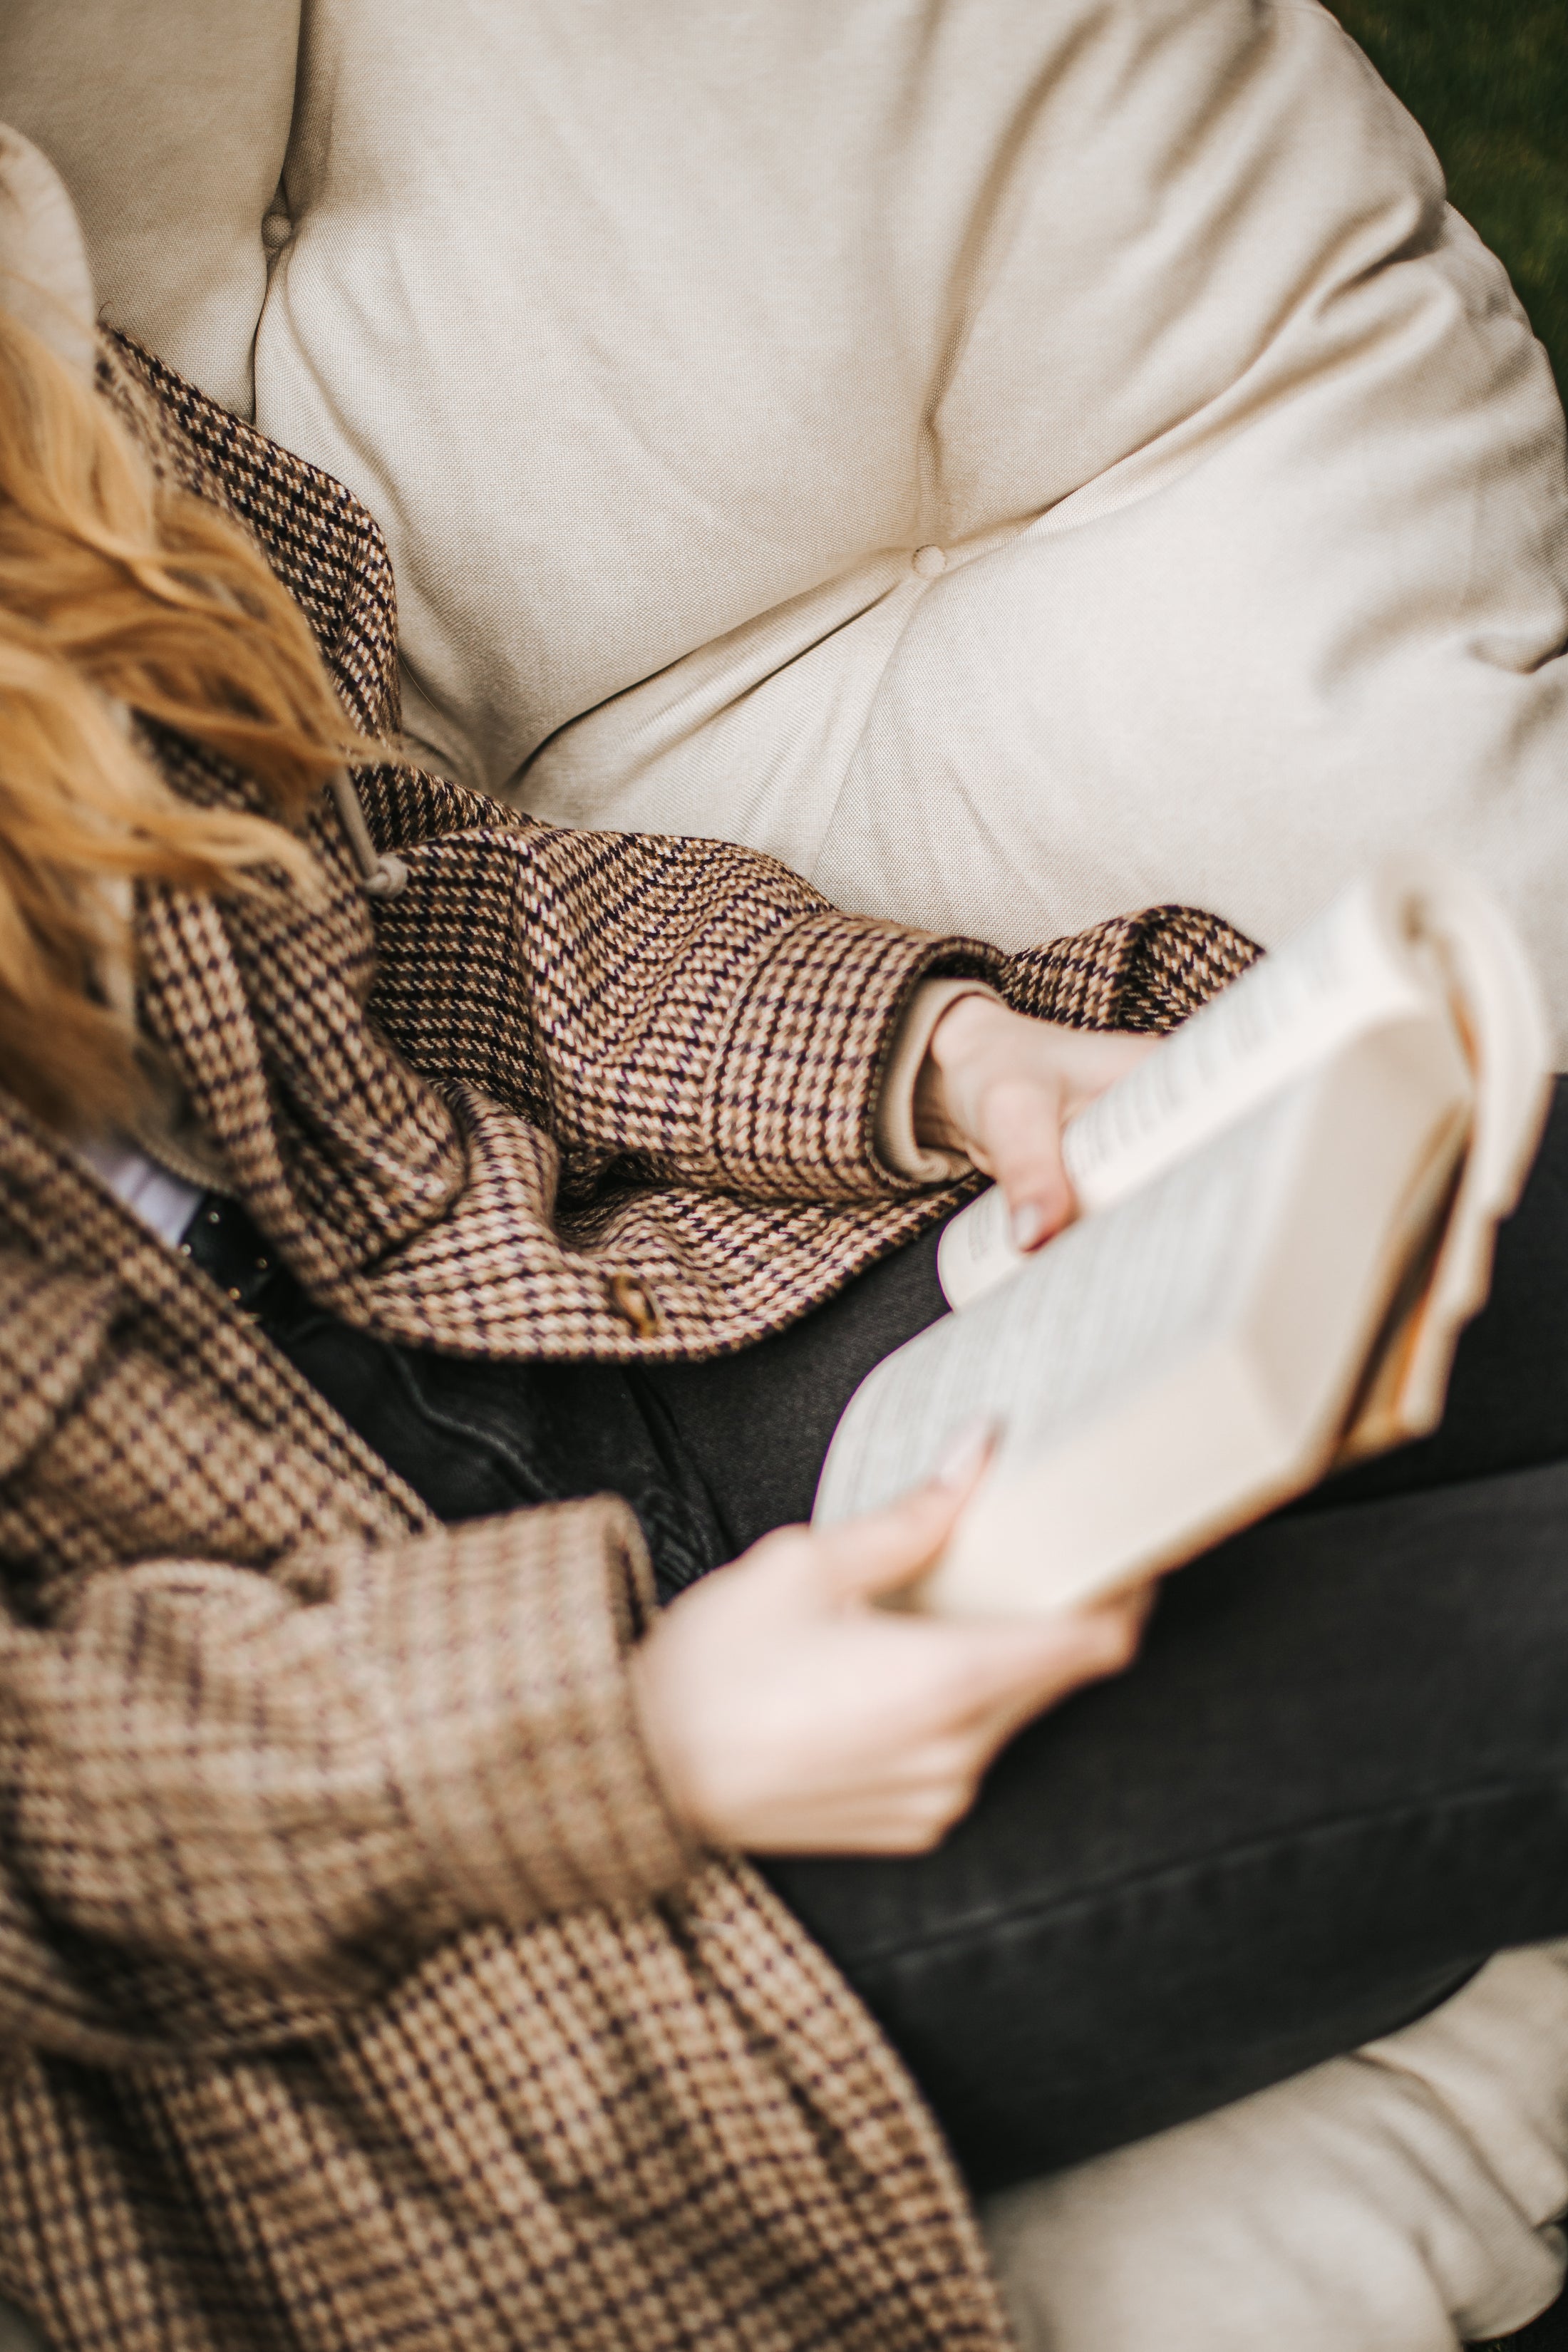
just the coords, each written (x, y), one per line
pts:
(376, 1964)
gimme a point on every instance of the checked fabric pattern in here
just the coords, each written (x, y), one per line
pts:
(663, 1054)
(358, 1992)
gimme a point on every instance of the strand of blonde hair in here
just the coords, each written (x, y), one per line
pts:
(121, 594)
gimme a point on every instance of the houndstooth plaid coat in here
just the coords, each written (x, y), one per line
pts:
(358, 1990)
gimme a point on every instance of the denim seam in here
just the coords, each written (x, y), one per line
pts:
(955, 1933)
(453, 1424)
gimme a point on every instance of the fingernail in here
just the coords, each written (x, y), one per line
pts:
(1029, 1225)
(968, 1451)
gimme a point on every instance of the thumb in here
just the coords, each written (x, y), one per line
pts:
(882, 1552)
(1023, 1139)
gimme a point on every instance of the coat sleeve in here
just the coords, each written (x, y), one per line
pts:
(690, 1002)
(697, 1004)
(236, 1799)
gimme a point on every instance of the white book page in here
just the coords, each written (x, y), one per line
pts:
(1509, 1039)
(1353, 970)
(1104, 1310)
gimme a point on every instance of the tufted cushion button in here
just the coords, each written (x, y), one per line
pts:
(633, 1305)
(930, 562)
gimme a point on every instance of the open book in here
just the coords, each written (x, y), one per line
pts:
(1285, 1216)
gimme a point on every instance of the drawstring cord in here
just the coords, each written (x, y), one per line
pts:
(380, 875)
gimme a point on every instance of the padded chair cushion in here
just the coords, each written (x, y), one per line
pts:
(168, 123)
(44, 280)
(1406, 2195)
(660, 339)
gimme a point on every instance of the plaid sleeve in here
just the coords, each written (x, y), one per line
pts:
(237, 1803)
(693, 1004)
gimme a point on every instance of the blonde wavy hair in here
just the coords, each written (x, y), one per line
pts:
(119, 593)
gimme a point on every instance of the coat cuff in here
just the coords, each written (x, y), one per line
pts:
(897, 1141)
(796, 1084)
(499, 1647)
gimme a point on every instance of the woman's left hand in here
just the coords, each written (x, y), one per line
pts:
(1002, 1088)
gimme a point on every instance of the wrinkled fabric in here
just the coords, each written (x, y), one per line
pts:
(356, 1979)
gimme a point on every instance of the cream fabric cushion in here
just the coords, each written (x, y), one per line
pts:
(1402, 2200)
(662, 337)
(45, 277)
(168, 120)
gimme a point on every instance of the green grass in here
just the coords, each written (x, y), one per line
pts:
(1488, 81)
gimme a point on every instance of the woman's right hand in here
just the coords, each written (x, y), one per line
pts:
(786, 1714)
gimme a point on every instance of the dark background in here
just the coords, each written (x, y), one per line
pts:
(1488, 82)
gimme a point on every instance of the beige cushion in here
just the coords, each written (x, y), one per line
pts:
(1402, 2200)
(45, 279)
(169, 120)
(661, 338)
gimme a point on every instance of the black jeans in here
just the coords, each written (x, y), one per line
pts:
(1336, 1779)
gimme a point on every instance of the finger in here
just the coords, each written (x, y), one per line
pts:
(910, 1816)
(882, 1552)
(896, 1827)
(1021, 1130)
(1093, 1663)
(1092, 1059)
(1014, 1669)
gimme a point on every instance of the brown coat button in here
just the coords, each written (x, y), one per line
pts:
(633, 1304)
